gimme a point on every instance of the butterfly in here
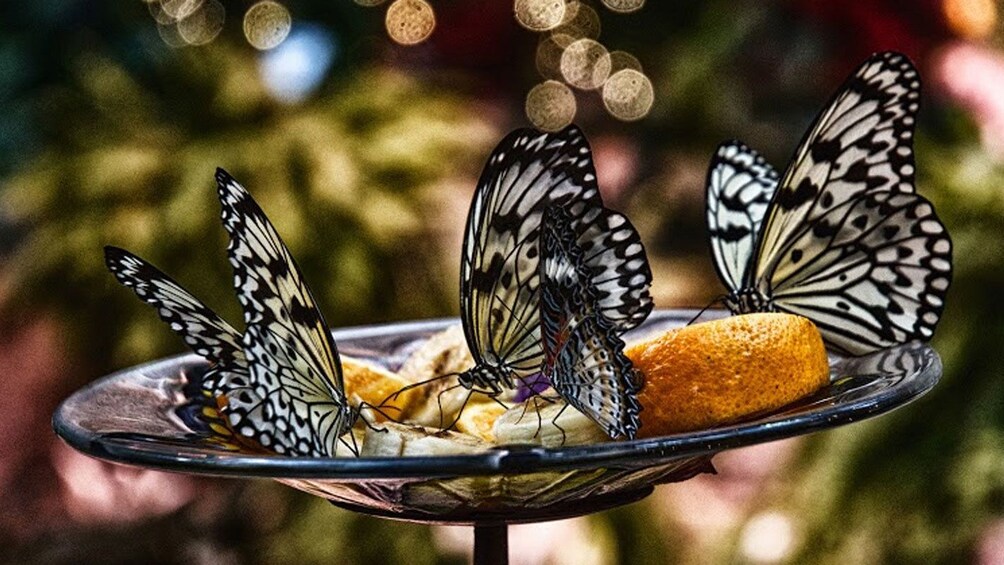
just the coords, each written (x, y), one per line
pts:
(583, 352)
(499, 281)
(280, 382)
(841, 238)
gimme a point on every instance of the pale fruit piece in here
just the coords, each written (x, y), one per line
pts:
(477, 419)
(534, 422)
(372, 384)
(717, 372)
(390, 439)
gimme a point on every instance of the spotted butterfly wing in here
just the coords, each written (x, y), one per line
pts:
(740, 187)
(584, 355)
(846, 242)
(879, 276)
(499, 295)
(292, 357)
(615, 259)
(202, 329)
(861, 143)
(206, 333)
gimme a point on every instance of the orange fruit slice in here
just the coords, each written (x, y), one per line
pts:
(721, 371)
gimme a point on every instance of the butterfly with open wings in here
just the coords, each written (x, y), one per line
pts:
(280, 383)
(528, 172)
(842, 238)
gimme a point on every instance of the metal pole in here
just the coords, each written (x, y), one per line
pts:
(491, 544)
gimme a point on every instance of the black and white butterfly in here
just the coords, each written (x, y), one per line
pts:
(583, 353)
(842, 238)
(280, 382)
(528, 172)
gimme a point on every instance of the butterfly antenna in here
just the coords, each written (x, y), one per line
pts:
(394, 395)
(378, 410)
(715, 300)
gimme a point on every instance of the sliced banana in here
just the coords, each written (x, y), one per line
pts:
(534, 422)
(478, 419)
(401, 440)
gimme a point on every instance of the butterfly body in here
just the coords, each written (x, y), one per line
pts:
(842, 238)
(489, 378)
(748, 300)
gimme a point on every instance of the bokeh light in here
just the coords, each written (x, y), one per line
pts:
(624, 6)
(973, 19)
(620, 60)
(369, 3)
(549, 52)
(768, 538)
(410, 21)
(296, 68)
(585, 64)
(266, 24)
(180, 9)
(628, 95)
(550, 105)
(539, 15)
(581, 21)
(203, 25)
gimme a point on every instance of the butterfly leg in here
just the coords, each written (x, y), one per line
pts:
(554, 422)
(459, 412)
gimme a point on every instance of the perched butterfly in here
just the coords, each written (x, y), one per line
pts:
(583, 354)
(499, 286)
(281, 381)
(841, 238)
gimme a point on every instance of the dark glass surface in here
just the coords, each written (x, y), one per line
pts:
(149, 415)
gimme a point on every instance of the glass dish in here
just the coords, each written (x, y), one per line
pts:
(149, 416)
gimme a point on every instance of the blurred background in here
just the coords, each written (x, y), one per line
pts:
(361, 128)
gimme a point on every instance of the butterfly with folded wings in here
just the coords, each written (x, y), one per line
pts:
(528, 172)
(584, 356)
(842, 237)
(280, 382)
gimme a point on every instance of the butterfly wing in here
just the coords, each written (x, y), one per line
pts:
(739, 188)
(205, 333)
(292, 357)
(583, 354)
(871, 273)
(616, 262)
(861, 143)
(527, 172)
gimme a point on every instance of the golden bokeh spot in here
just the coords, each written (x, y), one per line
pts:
(549, 52)
(973, 19)
(581, 21)
(410, 21)
(628, 95)
(180, 9)
(266, 24)
(203, 25)
(624, 6)
(539, 15)
(585, 64)
(620, 60)
(550, 105)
